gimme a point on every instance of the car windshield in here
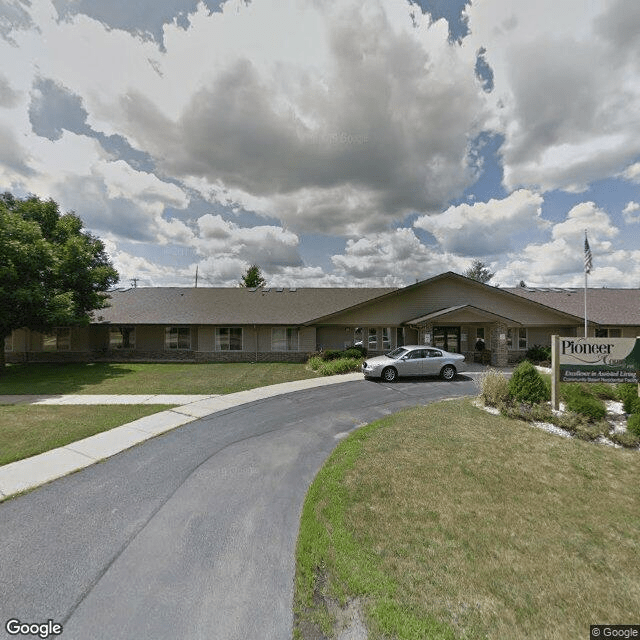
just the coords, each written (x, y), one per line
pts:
(397, 353)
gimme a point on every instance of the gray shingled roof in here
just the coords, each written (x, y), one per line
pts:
(229, 306)
(604, 306)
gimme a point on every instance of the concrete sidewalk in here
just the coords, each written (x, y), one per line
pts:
(177, 399)
(45, 467)
(23, 475)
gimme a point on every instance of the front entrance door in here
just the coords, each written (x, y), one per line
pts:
(447, 338)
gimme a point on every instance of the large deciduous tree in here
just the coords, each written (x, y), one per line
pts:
(253, 277)
(52, 272)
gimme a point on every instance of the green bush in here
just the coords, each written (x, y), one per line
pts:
(625, 438)
(586, 405)
(334, 367)
(336, 354)
(592, 430)
(570, 422)
(538, 353)
(602, 390)
(527, 385)
(331, 354)
(628, 395)
(494, 388)
(633, 424)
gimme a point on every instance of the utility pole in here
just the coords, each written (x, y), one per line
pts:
(134, 282)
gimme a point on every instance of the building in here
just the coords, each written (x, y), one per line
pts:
(288, 324)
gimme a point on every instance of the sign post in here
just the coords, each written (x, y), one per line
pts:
(555, 373)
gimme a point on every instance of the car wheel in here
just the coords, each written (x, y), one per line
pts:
(448, 372)
(389, 374)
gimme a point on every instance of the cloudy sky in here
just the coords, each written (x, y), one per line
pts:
(332, 142)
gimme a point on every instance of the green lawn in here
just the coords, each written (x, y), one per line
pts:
(26, 430)
(446, 522)
(136, 378)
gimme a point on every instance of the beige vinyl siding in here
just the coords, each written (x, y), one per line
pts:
(150, 337)
(307, 339)
(442, 294)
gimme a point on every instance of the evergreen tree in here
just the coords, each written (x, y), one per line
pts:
(253, 277)
(479, 271)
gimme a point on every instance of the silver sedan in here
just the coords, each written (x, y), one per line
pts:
(414, 360)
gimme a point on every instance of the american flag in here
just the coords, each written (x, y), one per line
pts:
(588, 263)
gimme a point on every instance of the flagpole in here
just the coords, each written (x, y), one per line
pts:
(588, 265)
(585, 303)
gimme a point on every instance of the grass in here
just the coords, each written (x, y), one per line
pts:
(26, 430)
(137, 378)
(446, 522)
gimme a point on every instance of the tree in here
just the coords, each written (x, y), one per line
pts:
(253, 277)
(52, 273)
(479, 271)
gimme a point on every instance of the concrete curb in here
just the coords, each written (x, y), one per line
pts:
(33, 472)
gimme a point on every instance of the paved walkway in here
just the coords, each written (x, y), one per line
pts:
(160, 398)
(22, 475)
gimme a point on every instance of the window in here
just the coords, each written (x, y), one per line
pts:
(517, 339)
(228, 339)
(122, 338)
(58, 340)
(386, 338)
(177, 338)
(8, 343)
(608, 333)
(357, 337)
(373, 339)
(480, 333)
(284, 339)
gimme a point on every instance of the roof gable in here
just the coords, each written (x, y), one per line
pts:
(444, 291)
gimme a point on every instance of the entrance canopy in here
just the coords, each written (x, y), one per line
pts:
(462, 314)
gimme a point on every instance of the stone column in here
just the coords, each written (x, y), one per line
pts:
(499, 354)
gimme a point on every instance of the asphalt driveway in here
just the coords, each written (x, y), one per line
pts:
(191, 534)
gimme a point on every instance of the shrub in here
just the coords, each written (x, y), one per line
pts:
(628, 395)
(494, 388)
(586, 405)
(353, 352)
(633, 424)
(334, 367)
(538, 353)
(570, 422)
(527, 385)
(592, 430)
(625, 438)
(602, 390)
(362, 351)
(336, 354)
(331, 354)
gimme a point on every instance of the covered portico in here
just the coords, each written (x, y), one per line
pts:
(458, 328)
